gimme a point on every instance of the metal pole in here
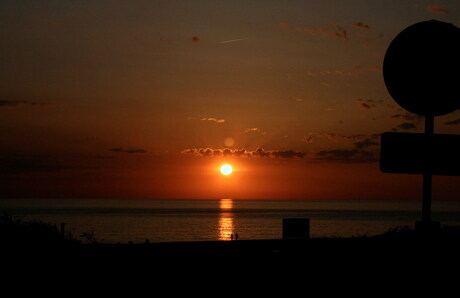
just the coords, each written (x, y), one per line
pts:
(427, 178)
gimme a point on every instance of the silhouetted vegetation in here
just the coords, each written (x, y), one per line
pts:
(19, 233)
(89, 238)
(445, 233)
(399, 231)
(14, 231)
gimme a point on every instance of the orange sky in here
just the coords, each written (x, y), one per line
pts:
(137, 99)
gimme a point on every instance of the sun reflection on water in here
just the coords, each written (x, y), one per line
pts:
(225, 225)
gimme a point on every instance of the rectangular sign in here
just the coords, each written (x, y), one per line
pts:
(296, 228)
(418, 153)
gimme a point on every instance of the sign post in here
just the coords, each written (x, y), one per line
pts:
(420, 71)
(427, 177)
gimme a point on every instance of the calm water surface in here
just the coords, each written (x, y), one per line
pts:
(113, 221)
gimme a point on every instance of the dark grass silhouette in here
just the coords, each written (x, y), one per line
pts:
(17, 232)
(403, 244)
(36, 251)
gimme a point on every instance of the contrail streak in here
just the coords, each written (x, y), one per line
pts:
(233, 40)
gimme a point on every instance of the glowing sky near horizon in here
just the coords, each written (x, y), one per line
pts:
(145, 99)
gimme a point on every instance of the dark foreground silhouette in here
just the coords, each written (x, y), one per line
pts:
(37, 253)
(45, 245)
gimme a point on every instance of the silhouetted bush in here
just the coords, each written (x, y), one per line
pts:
(89, 238)
(17, 232)
(399, 231)
(447, 233)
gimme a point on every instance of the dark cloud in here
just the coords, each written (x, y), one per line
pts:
(15, 103)
(368, 104)
(334, 137)
(408, 116)
(119, 149)
(288, 154)
(136, 151)
(437, 9)
(195, 39)
(356, 33)
(260, 152)
(363, 151)
(336, 32)
(347, 155)
(361, 25)
(411, 121)
(405, 126)
(340, 137)
(364, 148)
(453, 122)
(336, 154)
(367, 142)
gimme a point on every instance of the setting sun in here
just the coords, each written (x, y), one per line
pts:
(226, 169)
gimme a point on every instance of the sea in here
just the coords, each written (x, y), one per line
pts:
(171, 220)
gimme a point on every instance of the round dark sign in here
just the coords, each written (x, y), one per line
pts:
(421, 68)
